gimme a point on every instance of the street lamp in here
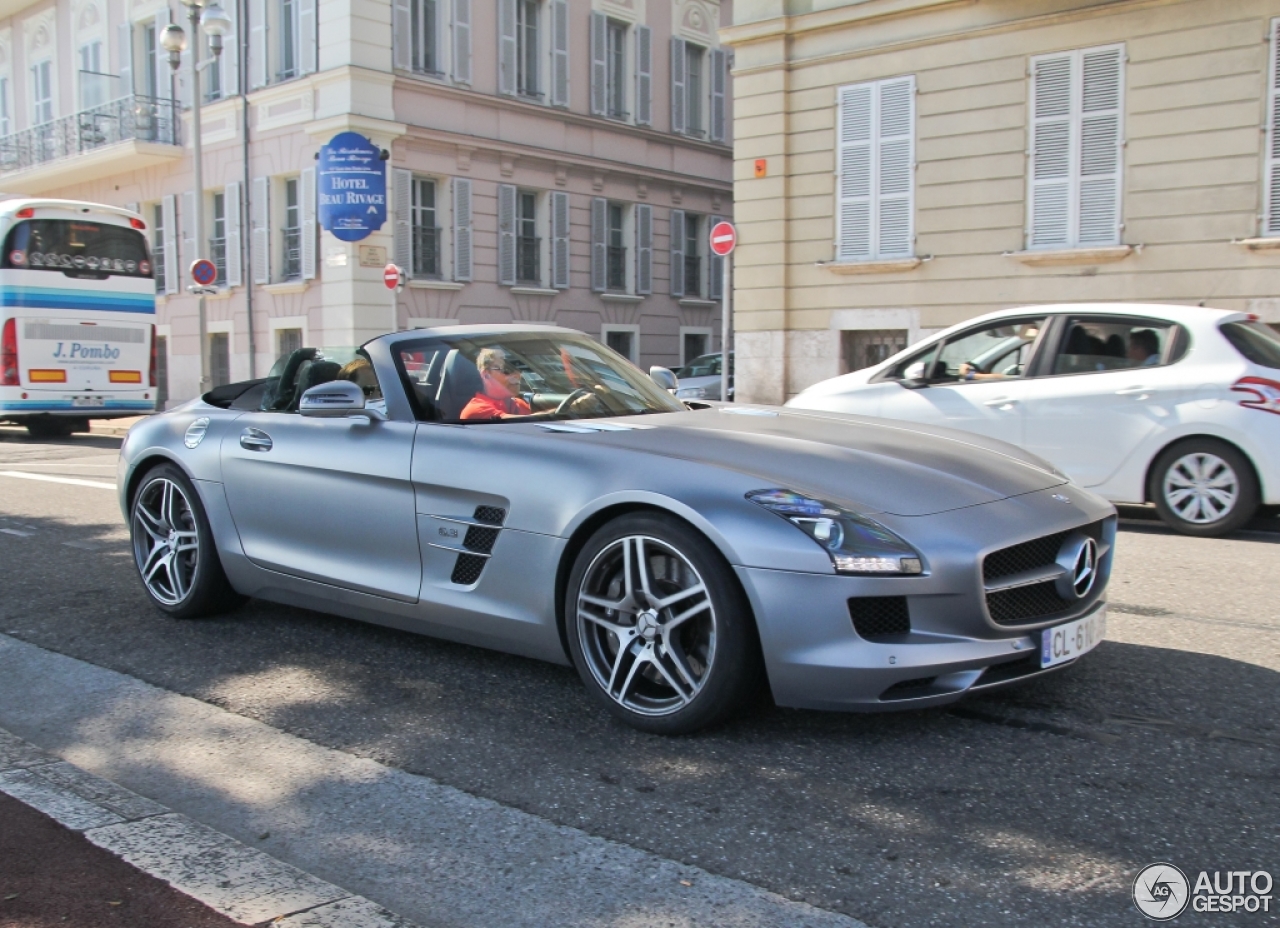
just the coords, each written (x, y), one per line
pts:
(174, 41)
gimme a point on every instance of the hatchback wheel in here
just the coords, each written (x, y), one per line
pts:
(1204, 487)
(173, 547)
(658, 628)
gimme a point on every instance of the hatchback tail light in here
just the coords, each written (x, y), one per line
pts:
(9, 354)
(1260, 393)
(152, 375)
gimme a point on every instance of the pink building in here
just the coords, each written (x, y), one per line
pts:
(555, 161)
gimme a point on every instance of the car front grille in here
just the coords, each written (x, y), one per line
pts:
(1039, 552)
(877, 617)
(1031, 602)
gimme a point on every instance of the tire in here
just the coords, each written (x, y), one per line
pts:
(173, 548)
(644, 649)
(1204, 487)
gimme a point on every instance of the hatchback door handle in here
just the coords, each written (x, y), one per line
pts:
(1003, 402)
(255, 440)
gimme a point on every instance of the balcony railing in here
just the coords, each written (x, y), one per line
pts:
(426, 252)
(692, 275)
(292, 253)
(145, 119)
(527, 251)
(617, 268)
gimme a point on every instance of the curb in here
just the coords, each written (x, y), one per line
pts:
(234, 880)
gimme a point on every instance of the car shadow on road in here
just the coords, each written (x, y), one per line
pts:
(12, 435)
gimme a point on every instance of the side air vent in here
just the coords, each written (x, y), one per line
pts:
(480, 539)
(490, 515)
(879, 616)
(467, 569)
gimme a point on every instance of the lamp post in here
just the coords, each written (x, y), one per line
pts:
(174, 41)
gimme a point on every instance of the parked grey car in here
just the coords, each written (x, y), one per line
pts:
(700, 378)
(529, 490)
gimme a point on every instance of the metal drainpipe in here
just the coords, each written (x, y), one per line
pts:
(246, 236)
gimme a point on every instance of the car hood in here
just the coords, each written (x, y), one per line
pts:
(871, 465)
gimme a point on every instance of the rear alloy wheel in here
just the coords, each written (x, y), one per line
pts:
(1204, 487)
(658, 629)
(173, 548)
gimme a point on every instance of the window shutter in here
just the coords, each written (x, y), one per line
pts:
(677, 86)
(1051, 167)
(715, 265)
(260, 230)
(169, 213)
(402, 230)
(124, 43)
(401, 35)
(235, 256)
(309, 237)
(677, 252)
(462, 229)
(231, 54)
(559, 52)
(719, 78)
(1271, 195)
(1100, 119)
(853, 187)
(895, 154)
(462, 63)
(307, 36)
(507, 47)
(644, 76)
(189, 233)
(507, 235)
(599, 249)
(560, 240)
(644, 248)
(599, 66)
(258, 65)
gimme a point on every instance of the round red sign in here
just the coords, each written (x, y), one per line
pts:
(203, 272)
(391, 276)
(723, 238)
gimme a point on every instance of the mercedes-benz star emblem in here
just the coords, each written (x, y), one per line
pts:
(1078, 559)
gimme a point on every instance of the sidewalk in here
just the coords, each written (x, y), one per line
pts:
(113, 426)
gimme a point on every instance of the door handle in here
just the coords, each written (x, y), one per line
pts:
(1003, 402)
(1141, 392)
(255, 440)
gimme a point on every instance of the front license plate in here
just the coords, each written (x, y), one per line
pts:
(1067, 642)
(87, 400)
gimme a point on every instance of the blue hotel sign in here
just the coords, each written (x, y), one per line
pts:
(351, 185)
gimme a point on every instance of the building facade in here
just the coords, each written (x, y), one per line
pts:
(548, 161)
(926, 161)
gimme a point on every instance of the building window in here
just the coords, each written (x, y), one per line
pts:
(1076, 142)
(291, 259)
(93, 81)
(426, 229)
(528, 244)
(868, 347)
(149, 45)
(694, 89)
(875, 189)
(693, 344)
(616, 58)
(6, 125)
(527, 48)
(157, 246)
(218, 241)
(220, 358)
(42, 92)
(288, 341)
(424, 47)
(213, 81)
(692, 260)
(623, 339)
(288, 40)
(617, 249)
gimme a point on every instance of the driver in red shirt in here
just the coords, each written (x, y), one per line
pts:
(500, 397)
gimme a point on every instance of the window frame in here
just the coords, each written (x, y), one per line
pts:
(529, 86)
(697, 96)
(426, 30)
(616, 33)
(1173, 349)
(631, 329)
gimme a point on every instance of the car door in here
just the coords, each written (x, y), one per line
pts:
(326, 499)
(932, 387)
(1109, 386)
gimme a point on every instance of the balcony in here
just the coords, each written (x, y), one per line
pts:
(123, 135)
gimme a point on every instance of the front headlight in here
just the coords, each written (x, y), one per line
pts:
(856, 544)
(692, 393)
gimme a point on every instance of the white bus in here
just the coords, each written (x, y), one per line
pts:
(77, 315)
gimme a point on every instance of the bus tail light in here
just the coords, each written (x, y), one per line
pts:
(9, 354)
(151, 377)
(1261, 393)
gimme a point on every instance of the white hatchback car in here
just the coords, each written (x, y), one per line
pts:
(1141, 403)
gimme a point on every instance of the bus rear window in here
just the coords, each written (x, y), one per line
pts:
(77, 248)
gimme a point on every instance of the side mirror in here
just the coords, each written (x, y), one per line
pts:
(664, 378)
(338, 399)
(913, 384)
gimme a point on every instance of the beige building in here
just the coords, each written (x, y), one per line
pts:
(926, 161)
(549, 161)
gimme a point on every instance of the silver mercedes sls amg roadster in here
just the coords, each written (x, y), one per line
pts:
(526, 489)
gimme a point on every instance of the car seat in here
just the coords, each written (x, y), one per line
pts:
(317, 372)
(459, 383)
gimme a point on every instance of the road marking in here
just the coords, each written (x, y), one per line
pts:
(51, 479)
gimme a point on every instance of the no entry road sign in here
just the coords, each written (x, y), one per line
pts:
(392, 277)
(723, 238)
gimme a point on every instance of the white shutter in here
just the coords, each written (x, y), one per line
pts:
(895, 161)
(719, 78)
(259, 69)
(169, 215)
(644, 76)
(677, 252)
(401, 35)
(235, 255)
(260, 230)
(402, 215)
(189, 232)
(715, 264)
(231, 54)
(506, 235)
(124, 44)
(507, 47)
(677, 86)
(165, 78)
(307, 36)
(1271, 194)
(1051, 171)
(1102, 82)
(560, 240)
(853, 183)
(644, 248)
(599, 64)
(559, 52)
(462, 232)
(309, 238)
(462, 56)
(599, 245)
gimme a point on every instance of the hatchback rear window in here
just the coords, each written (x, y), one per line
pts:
(77, 248)
(1259, 343)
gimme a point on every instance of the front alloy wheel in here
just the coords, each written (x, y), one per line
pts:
(1204, 487)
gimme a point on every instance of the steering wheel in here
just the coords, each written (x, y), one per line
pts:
(568, 400)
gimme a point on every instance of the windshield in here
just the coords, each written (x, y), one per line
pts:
(77, 248)
(706, 366)
(524, 375)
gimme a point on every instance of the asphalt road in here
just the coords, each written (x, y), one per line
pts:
(1036, 805)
